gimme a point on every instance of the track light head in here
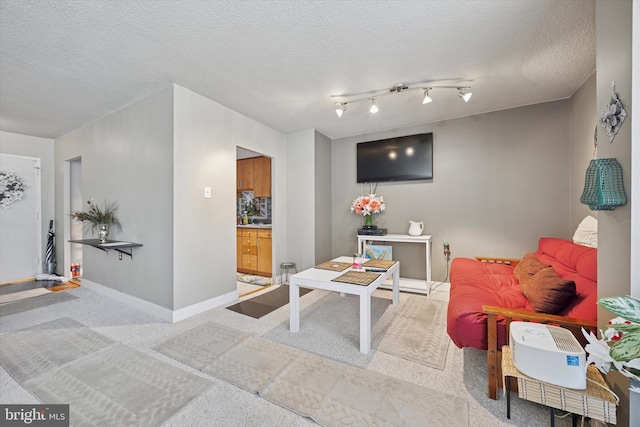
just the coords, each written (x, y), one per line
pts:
(340, 108)
(374, 107)
(465, 96)
(427, 99)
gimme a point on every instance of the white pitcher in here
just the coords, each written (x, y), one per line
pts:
(415, 228)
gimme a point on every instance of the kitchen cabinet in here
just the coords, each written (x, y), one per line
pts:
(238, 249)
(244, 175)
(254, 174)
(253, 247)
(264, 252)
(262, 177)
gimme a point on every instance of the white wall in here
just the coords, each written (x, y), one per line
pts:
(501, 181)
(42, 148)
(204, 235)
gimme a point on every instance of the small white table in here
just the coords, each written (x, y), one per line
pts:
(322, 279)
(402, 238)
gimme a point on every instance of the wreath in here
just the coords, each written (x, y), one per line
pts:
(11, 189)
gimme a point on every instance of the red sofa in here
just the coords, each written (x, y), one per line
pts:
(486, 296)
(475, 284)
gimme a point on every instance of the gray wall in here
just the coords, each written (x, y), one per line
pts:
(301, 213)
(322, 204)
(42, 148)
(501, 181)
(127, 157)
(613, 47)
(582, 124)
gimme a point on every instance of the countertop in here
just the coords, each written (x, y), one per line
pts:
(261, 226)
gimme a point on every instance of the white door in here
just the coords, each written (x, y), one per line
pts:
(20, 232)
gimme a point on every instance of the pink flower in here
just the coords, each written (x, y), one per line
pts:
(366, 205)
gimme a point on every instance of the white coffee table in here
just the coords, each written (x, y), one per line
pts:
(315, 278)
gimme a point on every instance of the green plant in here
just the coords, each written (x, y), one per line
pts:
(97, 215)
(619, 346)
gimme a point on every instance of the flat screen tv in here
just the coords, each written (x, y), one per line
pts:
(403, 158)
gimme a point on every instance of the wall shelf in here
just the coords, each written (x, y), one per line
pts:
(118, 246)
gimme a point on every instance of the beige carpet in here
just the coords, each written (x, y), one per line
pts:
(330, 392)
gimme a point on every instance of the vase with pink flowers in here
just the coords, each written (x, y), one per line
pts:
(368, 205)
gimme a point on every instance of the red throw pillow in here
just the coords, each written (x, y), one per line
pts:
(547, 292)
(527, 267)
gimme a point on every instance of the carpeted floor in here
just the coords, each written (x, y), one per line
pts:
(224, 404)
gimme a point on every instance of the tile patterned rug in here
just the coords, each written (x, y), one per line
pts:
(104, 382)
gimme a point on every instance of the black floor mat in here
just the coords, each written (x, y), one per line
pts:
(264, 304)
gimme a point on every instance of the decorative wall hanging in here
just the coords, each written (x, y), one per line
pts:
(603, 184)
(11, 188)
(613, 115)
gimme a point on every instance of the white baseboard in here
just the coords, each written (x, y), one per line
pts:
(157, 310)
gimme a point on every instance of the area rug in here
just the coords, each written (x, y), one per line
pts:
(418, 332)
(20, 295)
(202, 344)
(338, 394)
(35, 303)
(330, 392)
(253, 279)
(266, 302)
(104, 382)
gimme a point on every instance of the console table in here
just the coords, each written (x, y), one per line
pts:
(403, 238)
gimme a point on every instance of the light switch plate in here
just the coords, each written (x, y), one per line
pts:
(207, 192)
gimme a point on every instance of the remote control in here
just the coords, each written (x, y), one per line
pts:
(377, 270)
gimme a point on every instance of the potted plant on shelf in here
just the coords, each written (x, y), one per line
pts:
(99, 218)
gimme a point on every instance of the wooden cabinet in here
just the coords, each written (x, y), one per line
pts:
(238, 249)
(253, 247)
(244, 175)
(262, 177)
(264, 251)
(254, 174)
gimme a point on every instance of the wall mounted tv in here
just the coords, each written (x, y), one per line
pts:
(404, 158)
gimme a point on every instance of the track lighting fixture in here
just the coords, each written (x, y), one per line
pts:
(427, 99)
(465, 96)
(401, 87)
(374, 107)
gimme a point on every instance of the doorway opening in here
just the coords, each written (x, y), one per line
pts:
(73, 202)
(254, 219)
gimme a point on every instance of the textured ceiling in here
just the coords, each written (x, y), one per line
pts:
(66, 63)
